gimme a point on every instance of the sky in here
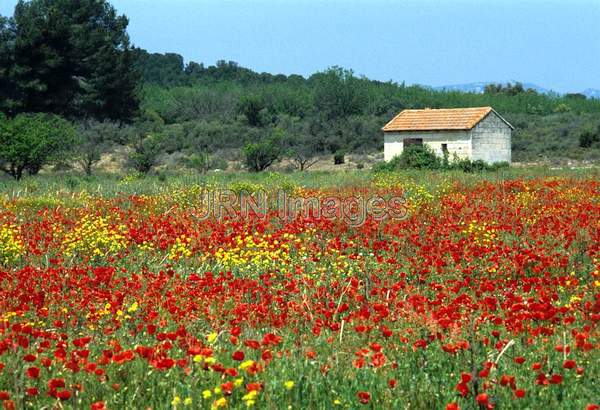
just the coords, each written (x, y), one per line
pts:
(552, 43)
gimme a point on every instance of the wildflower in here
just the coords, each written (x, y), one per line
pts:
(134, 306)
(176, 400)
(33, 372)
(251, 395)
(364, 397)
(238, 356)
(289, 385)
(187, 401)
(222, 402)
(32, 391)
(206, 394)
(482, 399)
(246, 364)
(212, 337)
(64, 395)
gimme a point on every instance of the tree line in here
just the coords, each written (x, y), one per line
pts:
(72, 86)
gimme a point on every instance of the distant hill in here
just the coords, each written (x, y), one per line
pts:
(479, 87)
(591, 93)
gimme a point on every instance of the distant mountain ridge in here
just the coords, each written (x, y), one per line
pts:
(479, 87)
(591, 93)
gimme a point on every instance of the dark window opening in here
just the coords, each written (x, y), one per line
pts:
(413, 141)
(445, 149)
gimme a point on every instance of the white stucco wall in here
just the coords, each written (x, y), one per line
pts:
(459, 142)
(491, 140)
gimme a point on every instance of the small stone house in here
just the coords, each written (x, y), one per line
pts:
(478, 133)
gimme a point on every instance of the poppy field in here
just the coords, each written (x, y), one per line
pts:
(484, 293)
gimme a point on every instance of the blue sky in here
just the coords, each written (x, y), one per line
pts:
(555, 44)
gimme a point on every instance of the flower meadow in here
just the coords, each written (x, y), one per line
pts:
(485, 295)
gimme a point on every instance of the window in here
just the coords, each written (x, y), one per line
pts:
(413, 141)
(445, 149)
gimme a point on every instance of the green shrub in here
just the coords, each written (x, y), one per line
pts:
(198, 161)
(339, 158)
(30, 141)
(588, 138)
(418, 157)
(422, 157)
(261, 155)
(145, 154)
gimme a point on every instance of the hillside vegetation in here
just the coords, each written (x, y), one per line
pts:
(155, 108)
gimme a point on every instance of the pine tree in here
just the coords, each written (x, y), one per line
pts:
(73, 58)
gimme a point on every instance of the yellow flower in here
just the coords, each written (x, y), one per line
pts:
(574, 299)
(187, 401)
(198, 358)
(176, 401)
(212, 337)
(222, 402)
(246, 364)
(217, 390)
(250, 396)
(134, 306)
(238, 382)
(289, 385)
(210, 360)
(206, 394)
(337, 402)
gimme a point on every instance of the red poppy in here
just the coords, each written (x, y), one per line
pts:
(482, 399)
(569, 364)
(238, 356)
(56, 383)
(266, 356)
(452, 406)
(556, 379)
(8, 405)
(252, 344)
(253, 387)
(364, 397)
(32, 391)
(463, 389)
(99, 405)
(29, 358)
(33, 372)
(227, 388)
(63, 395)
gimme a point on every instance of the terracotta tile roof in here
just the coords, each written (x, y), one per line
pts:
(438, 119)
